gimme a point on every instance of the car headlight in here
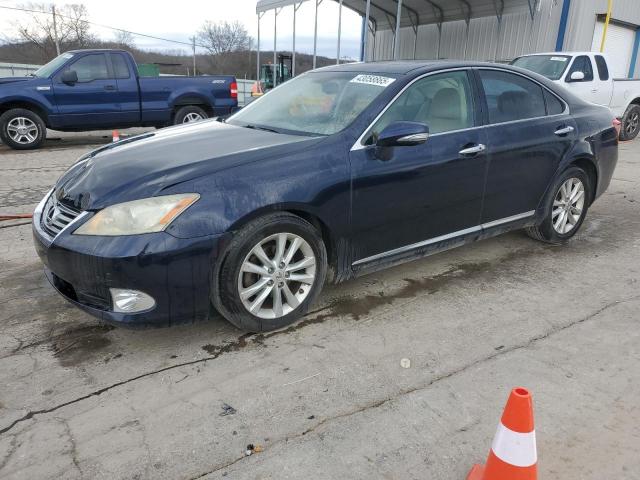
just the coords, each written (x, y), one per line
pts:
(139, 216)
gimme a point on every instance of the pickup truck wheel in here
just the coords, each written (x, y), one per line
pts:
(189, 114)
(630, 122)
(21, 129)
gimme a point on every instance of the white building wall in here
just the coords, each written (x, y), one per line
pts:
(518, 34)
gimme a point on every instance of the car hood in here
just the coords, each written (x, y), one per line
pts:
(5, 80)
(150, 163)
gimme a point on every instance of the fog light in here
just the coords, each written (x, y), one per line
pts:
(130, 301)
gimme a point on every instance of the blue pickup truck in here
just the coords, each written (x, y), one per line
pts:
(101, 89)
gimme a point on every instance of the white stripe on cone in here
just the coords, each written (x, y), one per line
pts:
(515, 448)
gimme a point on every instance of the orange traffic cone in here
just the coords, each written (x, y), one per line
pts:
(513, 454)
(116, 136)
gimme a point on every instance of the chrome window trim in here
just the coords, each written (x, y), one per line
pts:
(359, 145)
(448, 236)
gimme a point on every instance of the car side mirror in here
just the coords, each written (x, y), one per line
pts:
(403, 134)
(69, 77)
(576, 76)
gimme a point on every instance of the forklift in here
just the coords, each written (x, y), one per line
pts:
(282, 71)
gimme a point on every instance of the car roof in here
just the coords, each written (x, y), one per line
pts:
(402, 67)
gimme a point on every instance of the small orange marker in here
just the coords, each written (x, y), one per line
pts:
(116, 136)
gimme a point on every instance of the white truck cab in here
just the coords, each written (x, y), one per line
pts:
(587, 75)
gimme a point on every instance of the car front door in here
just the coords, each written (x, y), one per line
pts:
(586, 87)
(92, 101)
(408, 198)
(530, 129)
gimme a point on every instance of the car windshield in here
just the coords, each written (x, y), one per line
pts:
(550, 66)
(45, 71)
(316, 103)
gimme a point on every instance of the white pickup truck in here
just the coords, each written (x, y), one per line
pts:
(586, 74)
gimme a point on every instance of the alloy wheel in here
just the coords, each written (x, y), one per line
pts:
(22, 130)
(192, 117)
(568, 206)
(277, 275)
(632, 123)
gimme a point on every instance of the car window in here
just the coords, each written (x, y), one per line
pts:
(603, 70)
(511, 97)
(120, 67)
(90, 68)
(581, 64)
(554, 106)
(443, 102)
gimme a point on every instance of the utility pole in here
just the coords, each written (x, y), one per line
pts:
(193, 45)
(55, 29)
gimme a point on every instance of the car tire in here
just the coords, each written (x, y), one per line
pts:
(231, 287)
(561, 203)
(630, 122)
(22, 129)
(189, 114)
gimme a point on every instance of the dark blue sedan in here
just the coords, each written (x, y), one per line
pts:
(337, 173)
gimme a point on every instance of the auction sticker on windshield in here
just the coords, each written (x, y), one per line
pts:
(373, 80)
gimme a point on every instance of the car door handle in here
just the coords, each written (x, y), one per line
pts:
(474, 150)
(595, 90)
(563, 130)
(109, 87)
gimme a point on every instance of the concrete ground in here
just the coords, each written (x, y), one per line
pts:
(327, 398)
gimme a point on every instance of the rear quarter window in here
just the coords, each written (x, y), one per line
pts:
(554, 106)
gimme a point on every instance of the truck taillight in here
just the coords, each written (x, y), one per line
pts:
(233, 90)
(617, 124)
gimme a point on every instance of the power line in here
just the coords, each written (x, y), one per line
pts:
(21, 9)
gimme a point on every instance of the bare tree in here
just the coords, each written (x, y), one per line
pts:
(124, 39)
(70, 29)
(222, 39)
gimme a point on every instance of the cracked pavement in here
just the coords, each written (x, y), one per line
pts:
(327, 398)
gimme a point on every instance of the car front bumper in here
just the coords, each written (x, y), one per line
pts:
(175, 272)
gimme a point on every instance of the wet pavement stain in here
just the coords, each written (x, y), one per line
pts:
(76, 346)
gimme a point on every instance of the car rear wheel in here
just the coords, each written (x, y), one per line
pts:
(274, 269)
(630, 123)
(22, 129)
(189, 114)
(566, 207)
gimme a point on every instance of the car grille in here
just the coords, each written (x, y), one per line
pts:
(56, 216)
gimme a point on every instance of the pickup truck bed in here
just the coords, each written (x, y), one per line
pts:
(101, 89)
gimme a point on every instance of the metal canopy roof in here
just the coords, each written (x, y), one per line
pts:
(420, 12)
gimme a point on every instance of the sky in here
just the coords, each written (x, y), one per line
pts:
(179, 21)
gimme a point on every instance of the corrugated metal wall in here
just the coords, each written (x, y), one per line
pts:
(518, 34)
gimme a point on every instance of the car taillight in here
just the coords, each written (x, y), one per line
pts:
(617, 124)
(233, 90)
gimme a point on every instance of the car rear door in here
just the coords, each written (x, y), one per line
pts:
(529, 131)
(128, 98)
(93, 100)
(408, 197)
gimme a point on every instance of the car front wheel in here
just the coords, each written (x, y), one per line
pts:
(566, 207)
(274, 269)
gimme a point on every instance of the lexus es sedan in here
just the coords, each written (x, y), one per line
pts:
(339, 172)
